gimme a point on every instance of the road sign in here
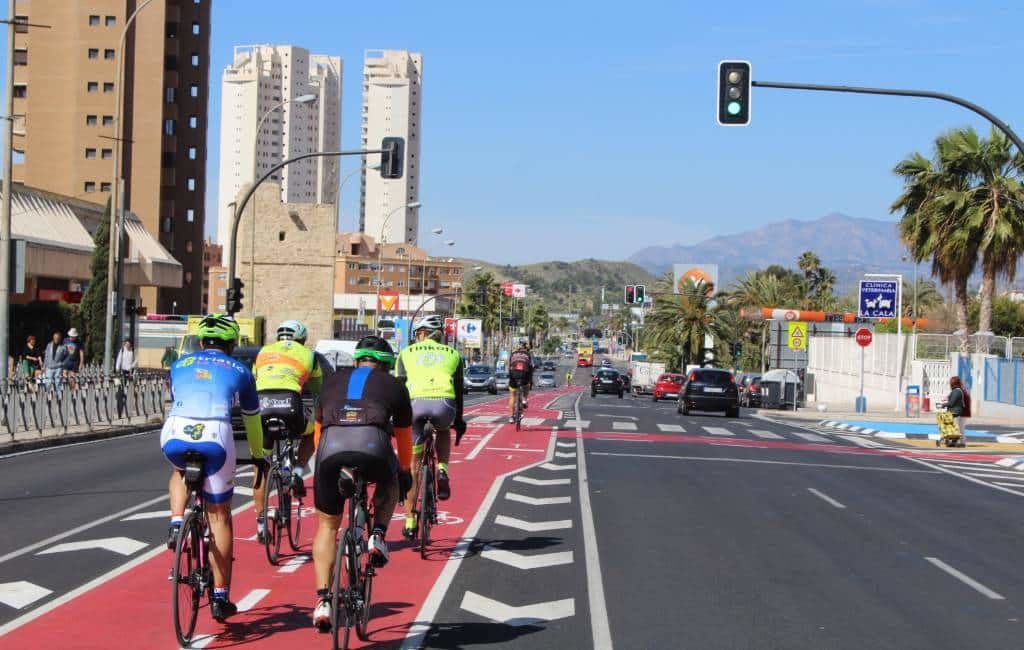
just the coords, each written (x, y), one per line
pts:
(864, 337)
(797, 336)
(878, 299)
(469, 332)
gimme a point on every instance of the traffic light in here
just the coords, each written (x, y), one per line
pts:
(734, 93)
(129, 306)
(234, 296)
(638, 294)
(737, 349)
(393, 157)
(630, 297)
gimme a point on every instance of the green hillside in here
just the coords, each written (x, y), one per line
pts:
(569, 286)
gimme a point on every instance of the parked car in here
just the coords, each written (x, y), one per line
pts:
(501, 381)
(606, 363)
(479, 377)
(709, 389)
(667, 386)
(546, 380)
(750, 390)
(549, 365)
(607, 380)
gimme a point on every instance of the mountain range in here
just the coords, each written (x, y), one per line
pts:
(848, 246)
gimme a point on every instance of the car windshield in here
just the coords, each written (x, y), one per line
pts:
(607, 374)
(479, 370)
(713, 377)
(675, 379)
(547, 375)
(502, 375)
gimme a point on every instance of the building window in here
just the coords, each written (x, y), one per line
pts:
(165, 224)
(106, 154)
(20, 91)
(90, 120)
(108, 120)
(195, 28)
(193, 121)
(21, 24)
(94, 52)
(104, 187)
(108, 53)
(90, 154)
(169, 126)
(108, 86)
(190, 215)
(191, 153)
(191, 184)
(170, 94)
(172, 30)
(110, 21)
(94, 21)
(195, 59)
(90, 187)
(167, 159)
(193, 90)
(171, 62)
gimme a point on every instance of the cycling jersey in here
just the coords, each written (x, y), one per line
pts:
(432, 370)
(520, 361)
(204, 385)
(287, 365)
(363, 397)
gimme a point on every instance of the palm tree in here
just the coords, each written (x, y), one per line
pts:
(677, 323)
(926, 293)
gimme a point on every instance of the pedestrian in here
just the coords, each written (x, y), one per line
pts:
(958, 402)
(75, 358)
(53, 361)
(31, 358)
(127, 361)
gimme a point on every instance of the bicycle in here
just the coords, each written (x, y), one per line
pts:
(426, 513)
(517, 414)
(353, 560)
(192, 574)
(280, 519)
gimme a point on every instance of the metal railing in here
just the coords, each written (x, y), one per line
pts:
(89, 398)
(939, 346)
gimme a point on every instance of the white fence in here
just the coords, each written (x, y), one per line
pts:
(835, 362)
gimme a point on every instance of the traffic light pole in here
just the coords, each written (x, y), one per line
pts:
(926, 94)
(240, 206)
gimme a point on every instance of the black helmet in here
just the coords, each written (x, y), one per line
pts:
(376, 348)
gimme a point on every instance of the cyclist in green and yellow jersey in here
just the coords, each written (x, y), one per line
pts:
(282, 369)
(433, 375)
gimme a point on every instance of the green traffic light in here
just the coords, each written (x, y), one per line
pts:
(733, 108)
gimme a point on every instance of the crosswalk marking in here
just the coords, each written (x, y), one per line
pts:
(671, 428)
(623, 426)
(577, 424)
(861, 441)
(718, 431)
(484, 419)
(532, 422)
(763, 433)
(810, 437)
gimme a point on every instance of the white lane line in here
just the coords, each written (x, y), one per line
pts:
(483, 419)
(41, 450)
(565, 444)
(551, 467)
(965, 477)
(764, 433)
(537, 501)
(480, 445)
(600, 630)
(153, 514)
(1007, 475)
(294, 564)
(500, 612)
(827, 499)
(525, 562)
(241, 489)
(539, 451)
(811, 437)
(773, 462)
(418, 629)
(541, 481)
(21, 593)
(565, 454)
(967, 463)
(671, 428)
(861, 441)
(966, 579)
(624, 440)
(718, 431)
(533, 526)
(1009, 485)
(245, 604)
(623, 426)
(577, 424)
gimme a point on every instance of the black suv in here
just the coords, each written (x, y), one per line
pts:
(607, 380)
(709, 389)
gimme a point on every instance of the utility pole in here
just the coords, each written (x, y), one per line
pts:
(5, 209)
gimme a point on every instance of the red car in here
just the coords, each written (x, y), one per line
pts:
(668, 386)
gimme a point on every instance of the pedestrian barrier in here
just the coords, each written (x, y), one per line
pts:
(89, 398)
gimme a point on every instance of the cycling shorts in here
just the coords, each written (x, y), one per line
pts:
(365, 448)
(213, 439)
(518, 378)
(438, 412)
(286, 405)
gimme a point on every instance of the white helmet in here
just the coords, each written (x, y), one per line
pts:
(432, 323)
(292, 330)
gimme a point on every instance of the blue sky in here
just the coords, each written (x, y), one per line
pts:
(586, 129)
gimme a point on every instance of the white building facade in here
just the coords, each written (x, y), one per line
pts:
(392, 106)
(259, 80)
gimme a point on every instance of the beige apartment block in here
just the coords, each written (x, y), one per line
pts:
(288, 262)
(65, 89)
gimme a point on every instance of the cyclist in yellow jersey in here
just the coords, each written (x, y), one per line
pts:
(433, 375)
(282, 369)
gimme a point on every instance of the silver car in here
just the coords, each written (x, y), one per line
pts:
(501, 381)
(479, 377)
(546, 380)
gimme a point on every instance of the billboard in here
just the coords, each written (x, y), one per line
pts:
(470, 332)
(387, 301)
(878, 298)
(708, 273)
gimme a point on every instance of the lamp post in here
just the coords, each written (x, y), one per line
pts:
(380, 250)
(114, 245)
(301, 99)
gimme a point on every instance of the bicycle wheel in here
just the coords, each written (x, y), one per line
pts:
(185, 580)
(271, 536)
(427, 506)
(519, 412)
(366, 593)
(294, 524)
(284, 514)
(342, 591)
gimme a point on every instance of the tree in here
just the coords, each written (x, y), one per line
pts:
(675, 328)
(94, 301)
(927, 296)
(536, 322)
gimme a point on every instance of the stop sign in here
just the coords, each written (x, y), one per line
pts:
(863, 337)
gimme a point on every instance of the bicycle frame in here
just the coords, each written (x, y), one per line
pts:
(426, 513)
(352, 554)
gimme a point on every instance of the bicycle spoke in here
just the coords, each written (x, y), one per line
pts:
(186, 580)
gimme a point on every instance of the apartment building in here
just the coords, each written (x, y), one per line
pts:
(65, 90)
(392, 106)
(278, 102)
(212, 258)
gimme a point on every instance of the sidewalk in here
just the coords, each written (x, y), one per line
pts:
(32, 440)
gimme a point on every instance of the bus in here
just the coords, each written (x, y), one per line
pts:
(584, 355)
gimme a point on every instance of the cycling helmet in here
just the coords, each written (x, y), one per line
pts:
(292, 330)
(523, 343)
(376, 348)
(432, 322)
(218, 327)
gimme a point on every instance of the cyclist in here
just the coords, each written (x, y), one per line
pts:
(203, 387)
(282, 369)
(358, 408)
(433, 374)
(520, 376)
(568, 377)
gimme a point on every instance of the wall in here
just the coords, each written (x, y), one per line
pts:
(293, 272)
(836, 362)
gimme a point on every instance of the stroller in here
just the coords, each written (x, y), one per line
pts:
(949, 432)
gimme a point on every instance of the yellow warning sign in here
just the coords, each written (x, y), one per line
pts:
(797, 338)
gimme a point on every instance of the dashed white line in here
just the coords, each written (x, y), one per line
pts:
(718, 431)
(827, 499)
(966, 579)
(623, 426)
(671, 428)
(537, 501)
(480, 445)
(810, 437)
(764, 433)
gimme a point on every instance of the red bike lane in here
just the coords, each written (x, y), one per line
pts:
(133, 609)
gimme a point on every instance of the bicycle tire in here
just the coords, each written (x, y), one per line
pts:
(185, 580)
(365, 591)
(294, 521)
(271, 536)
(284, 515)
(519, 411)
(426, 498)
(339, 615)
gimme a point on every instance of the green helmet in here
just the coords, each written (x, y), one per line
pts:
(376, 348)
(218, 327)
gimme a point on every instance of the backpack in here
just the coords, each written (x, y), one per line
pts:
(965, 412)
(519, 361)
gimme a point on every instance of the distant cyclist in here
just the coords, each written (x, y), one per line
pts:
(282, 369)
(433, 375)
(204, 386)
(568, 377)
(520, 376)
(357, 412)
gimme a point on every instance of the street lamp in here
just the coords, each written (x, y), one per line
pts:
(380, 249)
(423, 276)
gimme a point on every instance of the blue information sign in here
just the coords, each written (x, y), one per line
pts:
(878, 299)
